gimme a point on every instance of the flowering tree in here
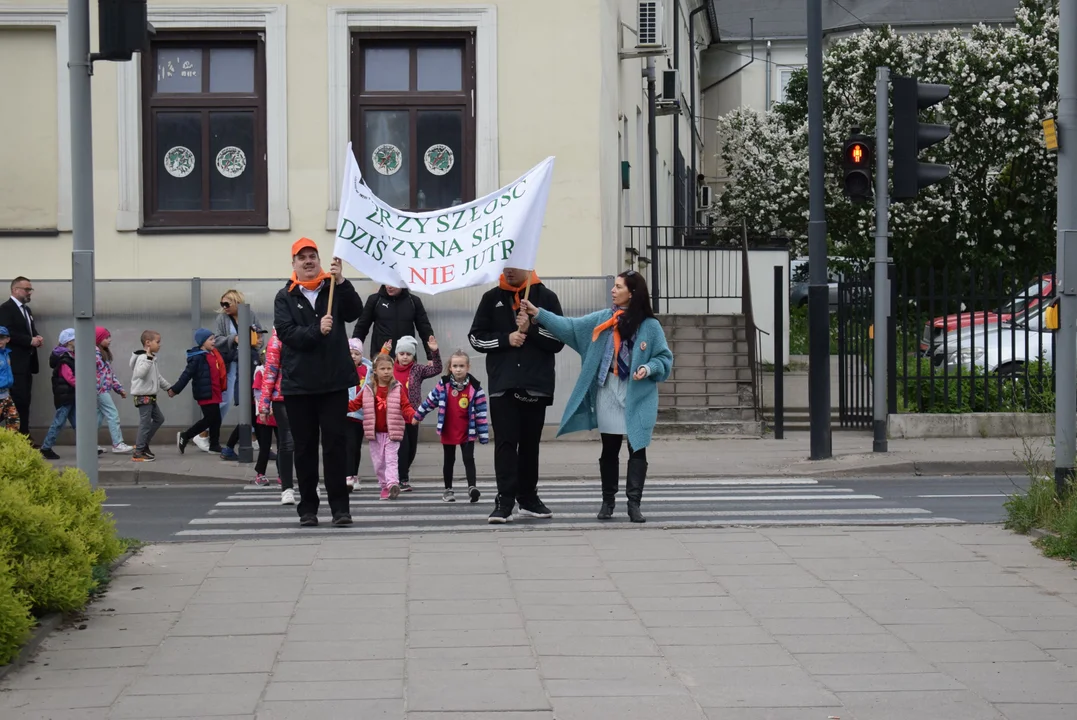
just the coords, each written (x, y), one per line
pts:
(996, 209)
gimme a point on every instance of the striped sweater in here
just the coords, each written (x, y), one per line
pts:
(478, 427)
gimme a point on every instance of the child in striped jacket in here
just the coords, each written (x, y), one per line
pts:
(462, 419)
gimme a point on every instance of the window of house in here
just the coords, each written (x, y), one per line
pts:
(204, 130)
(413, 117)
(784, 76)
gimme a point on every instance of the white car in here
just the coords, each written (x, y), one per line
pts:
(1005, 347)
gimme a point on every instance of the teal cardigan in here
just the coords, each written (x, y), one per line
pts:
(641, 403)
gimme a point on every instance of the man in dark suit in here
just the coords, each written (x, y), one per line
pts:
(16, 315)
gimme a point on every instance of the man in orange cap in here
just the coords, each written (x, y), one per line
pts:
(317, 370)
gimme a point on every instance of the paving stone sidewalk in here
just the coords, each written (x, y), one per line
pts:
(943, 623)
(720, 457)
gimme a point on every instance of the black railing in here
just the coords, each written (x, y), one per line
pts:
(963, 340)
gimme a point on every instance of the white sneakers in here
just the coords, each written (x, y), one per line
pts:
(287, 497)
(353, 483)
(122, 448)
(202, 443)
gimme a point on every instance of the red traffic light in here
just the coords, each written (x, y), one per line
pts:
(858, 153)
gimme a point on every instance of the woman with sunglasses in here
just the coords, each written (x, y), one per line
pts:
(228, 338)
(624, 356)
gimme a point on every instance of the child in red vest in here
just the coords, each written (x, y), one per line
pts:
(386, 412)
(462, 419)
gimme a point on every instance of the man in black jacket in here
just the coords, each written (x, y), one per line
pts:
(16, 316)
(393, 313)
(520, 385)
(317, 370)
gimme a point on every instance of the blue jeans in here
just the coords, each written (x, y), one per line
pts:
(64, 413)
(106, 410)
(229, 396)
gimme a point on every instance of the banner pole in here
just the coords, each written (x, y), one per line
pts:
(527, 289)
(332, 287)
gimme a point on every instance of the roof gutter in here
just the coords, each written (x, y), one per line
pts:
(722, 79)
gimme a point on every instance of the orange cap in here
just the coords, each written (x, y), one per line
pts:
(302, 244)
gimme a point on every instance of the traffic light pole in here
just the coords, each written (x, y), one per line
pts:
(881, 294)
(1066, 250)
(818, 292)
(82, 248)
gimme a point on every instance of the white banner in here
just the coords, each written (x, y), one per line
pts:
(433, 252)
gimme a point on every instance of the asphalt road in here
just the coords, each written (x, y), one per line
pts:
(216, 512)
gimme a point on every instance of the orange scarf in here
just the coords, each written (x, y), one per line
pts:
(611, 323)
(311, 285)
(504, 285)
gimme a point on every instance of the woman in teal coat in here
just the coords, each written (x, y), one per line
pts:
(624, 357)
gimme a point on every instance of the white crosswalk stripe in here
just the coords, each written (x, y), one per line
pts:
(699, 502)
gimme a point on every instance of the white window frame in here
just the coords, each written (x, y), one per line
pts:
(270, 19)
(785, 74)
(55, 18)
(343, 21)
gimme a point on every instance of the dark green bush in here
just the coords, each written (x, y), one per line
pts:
(53, 534)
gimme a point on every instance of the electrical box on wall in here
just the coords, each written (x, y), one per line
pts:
(671, 85)
(626, 171)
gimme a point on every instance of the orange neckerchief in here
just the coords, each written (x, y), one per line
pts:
(504, 285)
(311, 285)
(611, 323)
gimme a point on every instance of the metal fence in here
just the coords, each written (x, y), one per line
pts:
(175, 308)
(963, 341)
(974, 341)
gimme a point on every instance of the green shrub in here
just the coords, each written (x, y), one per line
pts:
(15, 618)
(1040, 507)
(961, 391)
(54, 537)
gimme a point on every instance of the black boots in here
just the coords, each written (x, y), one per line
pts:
(608, 470)
(637, 475)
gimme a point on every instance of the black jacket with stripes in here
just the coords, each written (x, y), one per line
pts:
(529, 367)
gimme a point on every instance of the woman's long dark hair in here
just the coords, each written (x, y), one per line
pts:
(639, 305)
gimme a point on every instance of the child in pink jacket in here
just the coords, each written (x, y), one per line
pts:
(386, 412)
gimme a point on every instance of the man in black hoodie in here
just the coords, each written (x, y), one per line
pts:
(393, 313)
(520, 384)
(316, 373)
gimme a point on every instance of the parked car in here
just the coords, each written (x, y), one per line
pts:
(799, 280)
(1031, 297)
(1006, 347)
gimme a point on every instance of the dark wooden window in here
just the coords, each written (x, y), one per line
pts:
(204, 131)
(413, 116)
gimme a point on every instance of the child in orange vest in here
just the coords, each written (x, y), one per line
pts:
(386, 412)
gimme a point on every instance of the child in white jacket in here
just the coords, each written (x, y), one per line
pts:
(146, 380)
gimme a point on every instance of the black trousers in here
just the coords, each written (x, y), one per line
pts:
(354, 432)
(285, 445)
(20, 395)
(467, 451)
(611, 449)
(406, 455)
(518, 421)
(313, 418)
(211, 421)
(264, 434)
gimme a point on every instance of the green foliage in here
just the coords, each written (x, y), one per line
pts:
(15, 618)
(798, 331)
(1030, 390)
(1041, 508)
(997, 207)
(52, 535)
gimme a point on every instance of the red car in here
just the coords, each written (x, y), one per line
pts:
(1022, 301)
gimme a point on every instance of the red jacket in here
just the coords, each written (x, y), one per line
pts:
(218, 373)
(271, 377)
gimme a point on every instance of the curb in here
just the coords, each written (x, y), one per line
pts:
(49, 624)
(903, 468)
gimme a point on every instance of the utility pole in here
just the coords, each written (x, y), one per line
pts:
(881, 295)
(818, 293)
(1066, 251)
(652, 177)
(82, 246)
(244, 381)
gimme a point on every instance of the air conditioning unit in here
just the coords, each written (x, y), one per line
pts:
(671, 85)
(706, 197)
(649, 24)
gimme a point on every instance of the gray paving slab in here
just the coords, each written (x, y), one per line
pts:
(629, 623)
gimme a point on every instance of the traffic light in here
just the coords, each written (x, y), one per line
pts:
(911, 136)
(856, 164)
(122, 29)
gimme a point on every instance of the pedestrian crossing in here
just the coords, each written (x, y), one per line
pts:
(252, 511)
